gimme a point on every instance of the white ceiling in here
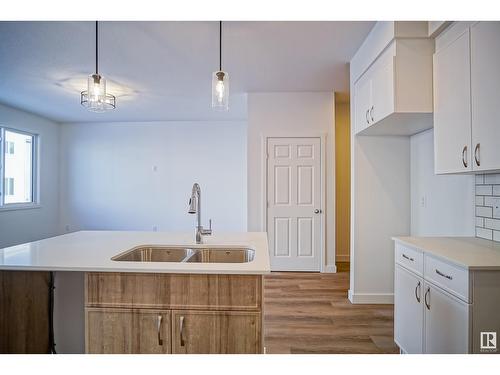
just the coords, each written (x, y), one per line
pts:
(162, 70)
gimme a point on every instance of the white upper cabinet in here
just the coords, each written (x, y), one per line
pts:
(392, 81)
(452, 109)
(485, 78)
(466, 87)
(362, 103)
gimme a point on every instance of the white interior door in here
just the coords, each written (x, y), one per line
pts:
(294, 203)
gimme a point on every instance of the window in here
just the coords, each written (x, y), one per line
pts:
(17, 168)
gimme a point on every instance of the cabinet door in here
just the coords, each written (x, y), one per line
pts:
(408, 311)
(126, 331)
(452, 109)
(362, 103)
(382, 90)
(485, 82)
(446, 322)
(219, 332)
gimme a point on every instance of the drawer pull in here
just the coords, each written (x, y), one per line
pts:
(407, 257)
(464, 156)
(443, 275)
(427, 304)
(181, 323)
(158, 328)
(417, 292)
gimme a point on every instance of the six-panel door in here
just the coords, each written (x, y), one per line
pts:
(127, 331)
(446, 322)
(216, 332)
(408, 311)
(294, 203)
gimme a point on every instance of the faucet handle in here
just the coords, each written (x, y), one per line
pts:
(210, 225)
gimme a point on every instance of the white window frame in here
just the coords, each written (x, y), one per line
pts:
(35, 172)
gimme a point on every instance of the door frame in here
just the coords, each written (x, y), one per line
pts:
(264, 136)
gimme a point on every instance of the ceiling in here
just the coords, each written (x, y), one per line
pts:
(162, 70)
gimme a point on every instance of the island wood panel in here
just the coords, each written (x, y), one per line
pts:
(216, 332)
(127, 331)
(174, 291)
(24, 312)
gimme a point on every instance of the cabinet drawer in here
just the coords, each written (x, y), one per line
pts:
(409, 258)
(173, 291)
(447, 276)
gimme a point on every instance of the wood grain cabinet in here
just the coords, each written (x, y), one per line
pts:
(207, 332)
(466, 86)
(128, 331)
(173, 313)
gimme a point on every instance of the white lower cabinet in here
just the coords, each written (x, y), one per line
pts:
(431, 309)
(446, 322)
(408, 311)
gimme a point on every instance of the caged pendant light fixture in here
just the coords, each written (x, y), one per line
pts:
(95, 98)
(220, 82)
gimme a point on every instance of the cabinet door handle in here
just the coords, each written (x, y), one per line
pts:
(464, 156)
(407, 257)
(366, 116)
(371, 113)
(417, 292)
(444, 275)
(427, 304)
(158, 328)
(181, 329)
(477, 154)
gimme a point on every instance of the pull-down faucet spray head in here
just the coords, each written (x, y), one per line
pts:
(193, 201)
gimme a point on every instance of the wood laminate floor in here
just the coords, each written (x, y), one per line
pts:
(310, 313)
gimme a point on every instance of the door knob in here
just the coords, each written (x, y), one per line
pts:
(316, 211)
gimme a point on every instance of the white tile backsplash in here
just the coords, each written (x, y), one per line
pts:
(484, 190)
(487, 190)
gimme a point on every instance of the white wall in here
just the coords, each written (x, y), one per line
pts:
(21, 226)
(136, 176)
(380, 209)
(297, 113)
(441, 205)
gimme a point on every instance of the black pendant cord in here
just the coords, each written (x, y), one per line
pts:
(52, 344)
(220, 45)
(96, 48)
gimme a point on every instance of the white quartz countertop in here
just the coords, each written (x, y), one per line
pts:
(466, 252)
(93, 250)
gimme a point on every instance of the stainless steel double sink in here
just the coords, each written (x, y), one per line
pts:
(186, 255)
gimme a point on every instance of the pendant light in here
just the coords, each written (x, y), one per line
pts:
(95, 98)
(220, 82)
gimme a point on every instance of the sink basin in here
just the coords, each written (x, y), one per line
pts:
(182, 255)
(154, 254)
(222, 256)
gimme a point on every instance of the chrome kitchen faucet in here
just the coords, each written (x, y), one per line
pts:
(195, 208)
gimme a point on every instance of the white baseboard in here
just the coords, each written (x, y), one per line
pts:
(342, 258)
(329, 268)
(371, 298)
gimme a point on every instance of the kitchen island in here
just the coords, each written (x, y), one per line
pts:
(189, 306)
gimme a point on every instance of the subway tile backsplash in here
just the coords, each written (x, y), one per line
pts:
(487, 196)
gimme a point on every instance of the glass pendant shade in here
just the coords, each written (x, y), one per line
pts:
(220, 91)
(95, 98)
